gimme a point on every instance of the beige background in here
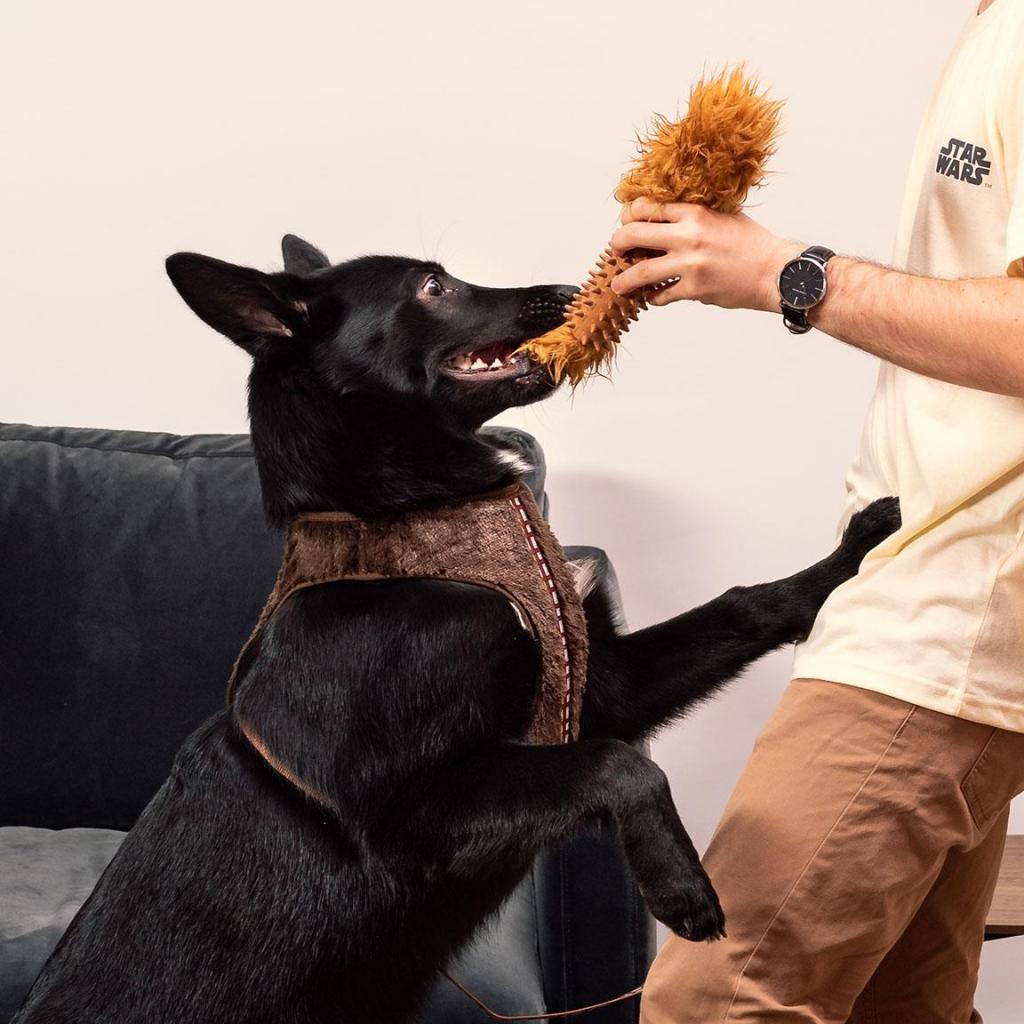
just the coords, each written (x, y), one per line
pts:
(489, 137)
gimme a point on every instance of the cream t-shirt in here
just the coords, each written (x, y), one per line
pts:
(936, 614)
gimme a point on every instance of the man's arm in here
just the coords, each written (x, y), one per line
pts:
(968, 332)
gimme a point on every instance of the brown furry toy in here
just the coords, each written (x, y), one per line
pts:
(713, 156)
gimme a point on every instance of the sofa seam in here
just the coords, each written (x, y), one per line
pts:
(126, 451)
(537, 944)
(567, 911)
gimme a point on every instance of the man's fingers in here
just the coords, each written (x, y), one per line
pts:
(649, 271)
(647, 209)
(640, 234)
(673, 293)
(641, 209)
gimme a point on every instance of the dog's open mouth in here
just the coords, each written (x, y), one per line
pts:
(492, 362)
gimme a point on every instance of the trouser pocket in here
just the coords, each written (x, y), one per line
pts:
(995, 778)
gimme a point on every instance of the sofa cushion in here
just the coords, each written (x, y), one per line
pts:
(46, 876)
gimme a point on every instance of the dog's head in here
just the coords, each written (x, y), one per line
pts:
(371, 378)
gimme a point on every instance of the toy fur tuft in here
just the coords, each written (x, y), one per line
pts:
(713, 156)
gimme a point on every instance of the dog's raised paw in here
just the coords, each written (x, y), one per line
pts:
(693, 912)
(869, 527)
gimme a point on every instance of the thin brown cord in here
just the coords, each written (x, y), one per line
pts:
(494, 1015)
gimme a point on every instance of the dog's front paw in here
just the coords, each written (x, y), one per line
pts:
(691, 909)
(868, 528)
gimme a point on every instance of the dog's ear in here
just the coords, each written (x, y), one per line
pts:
(249, 307)
(300, 257)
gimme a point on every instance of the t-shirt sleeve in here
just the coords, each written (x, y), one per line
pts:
(1011, 128)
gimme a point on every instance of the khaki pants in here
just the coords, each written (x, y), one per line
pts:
(856, 862)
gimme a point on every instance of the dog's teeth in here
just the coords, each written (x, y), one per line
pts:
(478, 364)
(497, 364)
(462, 362)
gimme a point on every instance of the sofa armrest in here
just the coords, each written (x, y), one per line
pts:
(597, 938)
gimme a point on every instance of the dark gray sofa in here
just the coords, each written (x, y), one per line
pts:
(133, 566)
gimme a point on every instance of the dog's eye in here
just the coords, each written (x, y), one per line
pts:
(433, 286)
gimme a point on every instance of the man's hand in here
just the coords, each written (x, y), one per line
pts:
(967, 332)
(722, 259)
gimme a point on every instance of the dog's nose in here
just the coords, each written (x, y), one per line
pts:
(545, 307)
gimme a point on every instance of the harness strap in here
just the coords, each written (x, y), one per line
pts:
(259, 747)
(274, 764)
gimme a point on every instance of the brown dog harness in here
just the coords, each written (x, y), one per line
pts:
(499, 541)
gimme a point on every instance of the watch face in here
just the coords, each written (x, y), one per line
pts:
(802, 284)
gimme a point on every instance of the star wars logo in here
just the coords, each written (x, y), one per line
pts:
(961, 160)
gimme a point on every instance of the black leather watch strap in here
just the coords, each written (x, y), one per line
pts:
(819, 252)
(796, 319)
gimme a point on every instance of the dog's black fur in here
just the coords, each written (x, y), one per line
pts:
(236, 898)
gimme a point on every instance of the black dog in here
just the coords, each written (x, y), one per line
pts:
(237, 899)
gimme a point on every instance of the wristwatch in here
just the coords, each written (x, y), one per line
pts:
(802, 285)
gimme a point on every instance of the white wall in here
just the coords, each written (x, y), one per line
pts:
(490, 137)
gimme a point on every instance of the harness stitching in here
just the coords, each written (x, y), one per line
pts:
(545, 572)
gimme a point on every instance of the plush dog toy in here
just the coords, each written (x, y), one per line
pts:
(713, 156)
